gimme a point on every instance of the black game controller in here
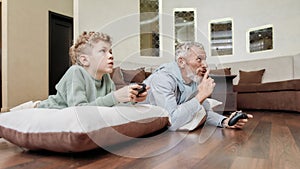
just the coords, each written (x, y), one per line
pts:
(141, 90)
(238, 115)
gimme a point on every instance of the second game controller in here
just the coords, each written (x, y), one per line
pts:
(141, 90)
(238, 115)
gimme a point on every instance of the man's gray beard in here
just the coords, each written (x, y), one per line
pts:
(194, 77)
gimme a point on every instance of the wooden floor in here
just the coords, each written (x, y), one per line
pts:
(269, 141)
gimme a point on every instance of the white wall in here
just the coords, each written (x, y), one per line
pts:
(297, 66)
(273, 72)
(120, 19)
(25, 48)
(283, 15)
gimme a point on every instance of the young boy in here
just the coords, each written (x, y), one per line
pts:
(87, 81)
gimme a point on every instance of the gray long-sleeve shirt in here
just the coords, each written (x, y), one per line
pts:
(168, 90)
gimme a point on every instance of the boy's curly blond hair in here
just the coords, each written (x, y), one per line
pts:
(85, 41)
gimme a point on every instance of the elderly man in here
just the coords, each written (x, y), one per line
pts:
(182, 88)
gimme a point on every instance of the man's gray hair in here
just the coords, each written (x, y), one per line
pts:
(183, 48)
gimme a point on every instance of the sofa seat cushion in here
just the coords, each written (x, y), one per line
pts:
(280, 100)
(245, 88)
(268, 87)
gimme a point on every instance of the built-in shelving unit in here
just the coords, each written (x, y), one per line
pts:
(221, 37)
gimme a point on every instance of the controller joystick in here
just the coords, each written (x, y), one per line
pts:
(238, 115)
(141, 90)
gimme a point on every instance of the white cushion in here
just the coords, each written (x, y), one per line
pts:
(80, 128)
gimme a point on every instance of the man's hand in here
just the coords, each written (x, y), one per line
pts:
(239, 125)
(206, 87)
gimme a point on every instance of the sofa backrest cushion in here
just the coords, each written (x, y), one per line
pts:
(123, 77)
(117, 76)
(251, 76)
(224, 71)
(134, 76)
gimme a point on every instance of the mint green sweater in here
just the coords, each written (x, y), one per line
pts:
(78, 88)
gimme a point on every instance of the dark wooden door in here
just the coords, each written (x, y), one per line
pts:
(0, 55)
(60, 40)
